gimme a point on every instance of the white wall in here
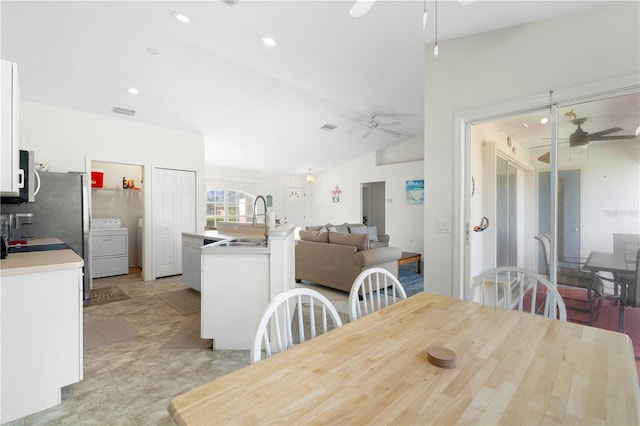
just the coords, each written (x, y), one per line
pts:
(506, 65)
(69, 140)
(404, 222)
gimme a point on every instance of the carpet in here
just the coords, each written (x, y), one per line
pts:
(100, 296)
(107, 332)
(188, 337)
(412, 282)
(185, 301)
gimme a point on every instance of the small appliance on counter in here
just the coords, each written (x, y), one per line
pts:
(13, 226)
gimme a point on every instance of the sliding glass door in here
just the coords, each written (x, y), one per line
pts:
(580, 184)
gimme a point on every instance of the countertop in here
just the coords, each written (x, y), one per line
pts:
(280, 231)
(40, 261)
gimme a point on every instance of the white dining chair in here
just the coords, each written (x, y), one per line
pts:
(510, 287)
(291, 318)
(372, 290)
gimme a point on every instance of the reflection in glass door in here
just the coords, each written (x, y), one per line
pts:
(506, 214)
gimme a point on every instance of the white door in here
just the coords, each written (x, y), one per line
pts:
(294, 206)
(173, 213)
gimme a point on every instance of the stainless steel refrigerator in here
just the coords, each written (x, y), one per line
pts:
(61, 210)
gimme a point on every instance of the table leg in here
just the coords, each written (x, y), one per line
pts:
(622, 303)
(590, 297)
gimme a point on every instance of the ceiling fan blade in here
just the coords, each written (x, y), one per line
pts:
(611, 138)
(393, 123)
(367, 133)
(389, 131)
(545, 158)
(361, 7)
(604, 132)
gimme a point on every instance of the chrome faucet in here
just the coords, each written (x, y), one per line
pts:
(255, 214)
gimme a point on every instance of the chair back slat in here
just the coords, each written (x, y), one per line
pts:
(515, 288)
(372, 290)
(275, 332)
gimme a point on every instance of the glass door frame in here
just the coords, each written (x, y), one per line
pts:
(462, 160)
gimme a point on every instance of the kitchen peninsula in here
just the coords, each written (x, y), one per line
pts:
(40, 327)
(240, 274)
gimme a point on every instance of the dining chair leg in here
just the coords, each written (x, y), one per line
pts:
(622, 304)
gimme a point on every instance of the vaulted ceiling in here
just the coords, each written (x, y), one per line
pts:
(258, 107)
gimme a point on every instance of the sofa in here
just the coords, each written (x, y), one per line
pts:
(376, 239)
(334, 259)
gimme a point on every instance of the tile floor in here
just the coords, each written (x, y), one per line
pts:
(132, 382)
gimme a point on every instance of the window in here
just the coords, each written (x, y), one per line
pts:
(227, 205)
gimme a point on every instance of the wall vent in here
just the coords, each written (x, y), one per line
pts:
(124, 111)
(328, 127)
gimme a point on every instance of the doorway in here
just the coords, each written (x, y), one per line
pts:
(373, 205)
(568, 240)
(583, 181)
(118, 194)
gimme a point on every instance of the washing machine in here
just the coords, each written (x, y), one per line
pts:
(109, 248)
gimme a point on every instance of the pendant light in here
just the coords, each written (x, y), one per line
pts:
(435, 47)
(424, 16)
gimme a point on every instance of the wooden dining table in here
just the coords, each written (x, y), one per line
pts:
(512, 368)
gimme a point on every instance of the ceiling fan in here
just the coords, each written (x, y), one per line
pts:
(581, 138)
(374, 124)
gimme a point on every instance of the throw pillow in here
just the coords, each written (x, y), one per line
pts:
(343, 229)
(358, 229)
(373, 233)
(360, 241)
(314, 236)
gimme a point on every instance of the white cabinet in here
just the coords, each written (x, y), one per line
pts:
(9, 143)
(191, 261)
(41, 339)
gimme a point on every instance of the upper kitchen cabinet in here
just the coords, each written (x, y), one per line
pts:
(9, 144)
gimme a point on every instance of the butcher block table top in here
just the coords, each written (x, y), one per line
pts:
(512, 368)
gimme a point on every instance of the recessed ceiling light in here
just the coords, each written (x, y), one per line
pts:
(269, 41)
(133, 90)
(152, 51)
(525, 125)
(544, 120)
(181, 17)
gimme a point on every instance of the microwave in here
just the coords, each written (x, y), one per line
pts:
(26, 193)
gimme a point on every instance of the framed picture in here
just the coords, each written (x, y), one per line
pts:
(415, 191)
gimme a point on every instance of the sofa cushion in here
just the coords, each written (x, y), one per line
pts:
(315, 236)
(359, 241)
(373, 233)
